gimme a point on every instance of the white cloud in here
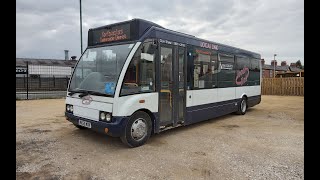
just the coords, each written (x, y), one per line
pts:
(46, 28)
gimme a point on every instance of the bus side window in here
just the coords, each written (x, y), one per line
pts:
(140, 75)
(214, 68)
(254, 71)
(205, 69)
(242, 71)
(190, 68)
(226, 76)
(202, 74)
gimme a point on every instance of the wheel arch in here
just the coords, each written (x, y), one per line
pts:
(151, 115)
(244, 95)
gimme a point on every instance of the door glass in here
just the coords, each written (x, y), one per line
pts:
(166, 83)
(181, 84)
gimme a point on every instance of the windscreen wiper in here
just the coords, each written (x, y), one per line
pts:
(76, 91)
(97, 93)
(85, 93)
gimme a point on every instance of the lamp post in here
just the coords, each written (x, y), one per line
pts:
(274, 65)
(81, 27)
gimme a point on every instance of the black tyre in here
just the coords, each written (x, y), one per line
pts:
(243, 106)
(138, 129)
(79, 127)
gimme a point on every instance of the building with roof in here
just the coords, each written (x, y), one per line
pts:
(44, 67)
(43, 74)
(283, 70)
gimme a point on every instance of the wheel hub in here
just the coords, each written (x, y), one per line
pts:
(138, 129)
(243, 106)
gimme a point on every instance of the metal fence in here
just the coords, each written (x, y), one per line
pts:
(289, 86)
(37, 81)
(42, 81)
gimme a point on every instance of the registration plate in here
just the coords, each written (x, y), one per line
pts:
(85, 124)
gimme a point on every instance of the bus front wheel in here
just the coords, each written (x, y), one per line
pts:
(138, 129)
(242, 108)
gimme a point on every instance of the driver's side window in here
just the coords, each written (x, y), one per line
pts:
(140, 75)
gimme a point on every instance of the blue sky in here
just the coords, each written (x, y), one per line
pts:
(46, 28)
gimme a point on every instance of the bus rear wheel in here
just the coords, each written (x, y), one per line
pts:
(242, 109)
(138, 130)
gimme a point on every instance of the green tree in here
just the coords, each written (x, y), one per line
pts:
(298, 64)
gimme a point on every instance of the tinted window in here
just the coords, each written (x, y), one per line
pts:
(227, 58)
(214, 67)
(189, 67)
(242, 71)
(226, 76)
(202, 70)
(205, 68)
(255, 65)
(254, 76)
(242, 62)
(140, 75)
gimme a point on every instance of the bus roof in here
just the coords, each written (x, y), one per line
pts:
(140, 29)
(192, 40)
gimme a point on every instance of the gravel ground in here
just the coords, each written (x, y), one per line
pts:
(266, 143)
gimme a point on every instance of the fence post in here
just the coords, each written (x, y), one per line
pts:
(27, 80)
(67, 81)
(39, 81)
(295, 85)
(281, 84)
(54, 82)
(303, 87)
(272, 81)
(291, 85)
(24, 81)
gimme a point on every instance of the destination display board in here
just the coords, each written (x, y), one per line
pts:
(110, 34)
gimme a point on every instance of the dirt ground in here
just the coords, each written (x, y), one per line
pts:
(266, 143)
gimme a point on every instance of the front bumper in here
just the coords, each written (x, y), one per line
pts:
(115, 128)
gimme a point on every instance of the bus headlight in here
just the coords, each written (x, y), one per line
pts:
(104, 116)
(69, 108)
(108, 117)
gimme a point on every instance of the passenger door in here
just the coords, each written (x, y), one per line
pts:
(172, 85)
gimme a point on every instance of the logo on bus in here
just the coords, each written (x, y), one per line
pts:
(208, 45)
(242, 76)
(226, 66)
(86, 100)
